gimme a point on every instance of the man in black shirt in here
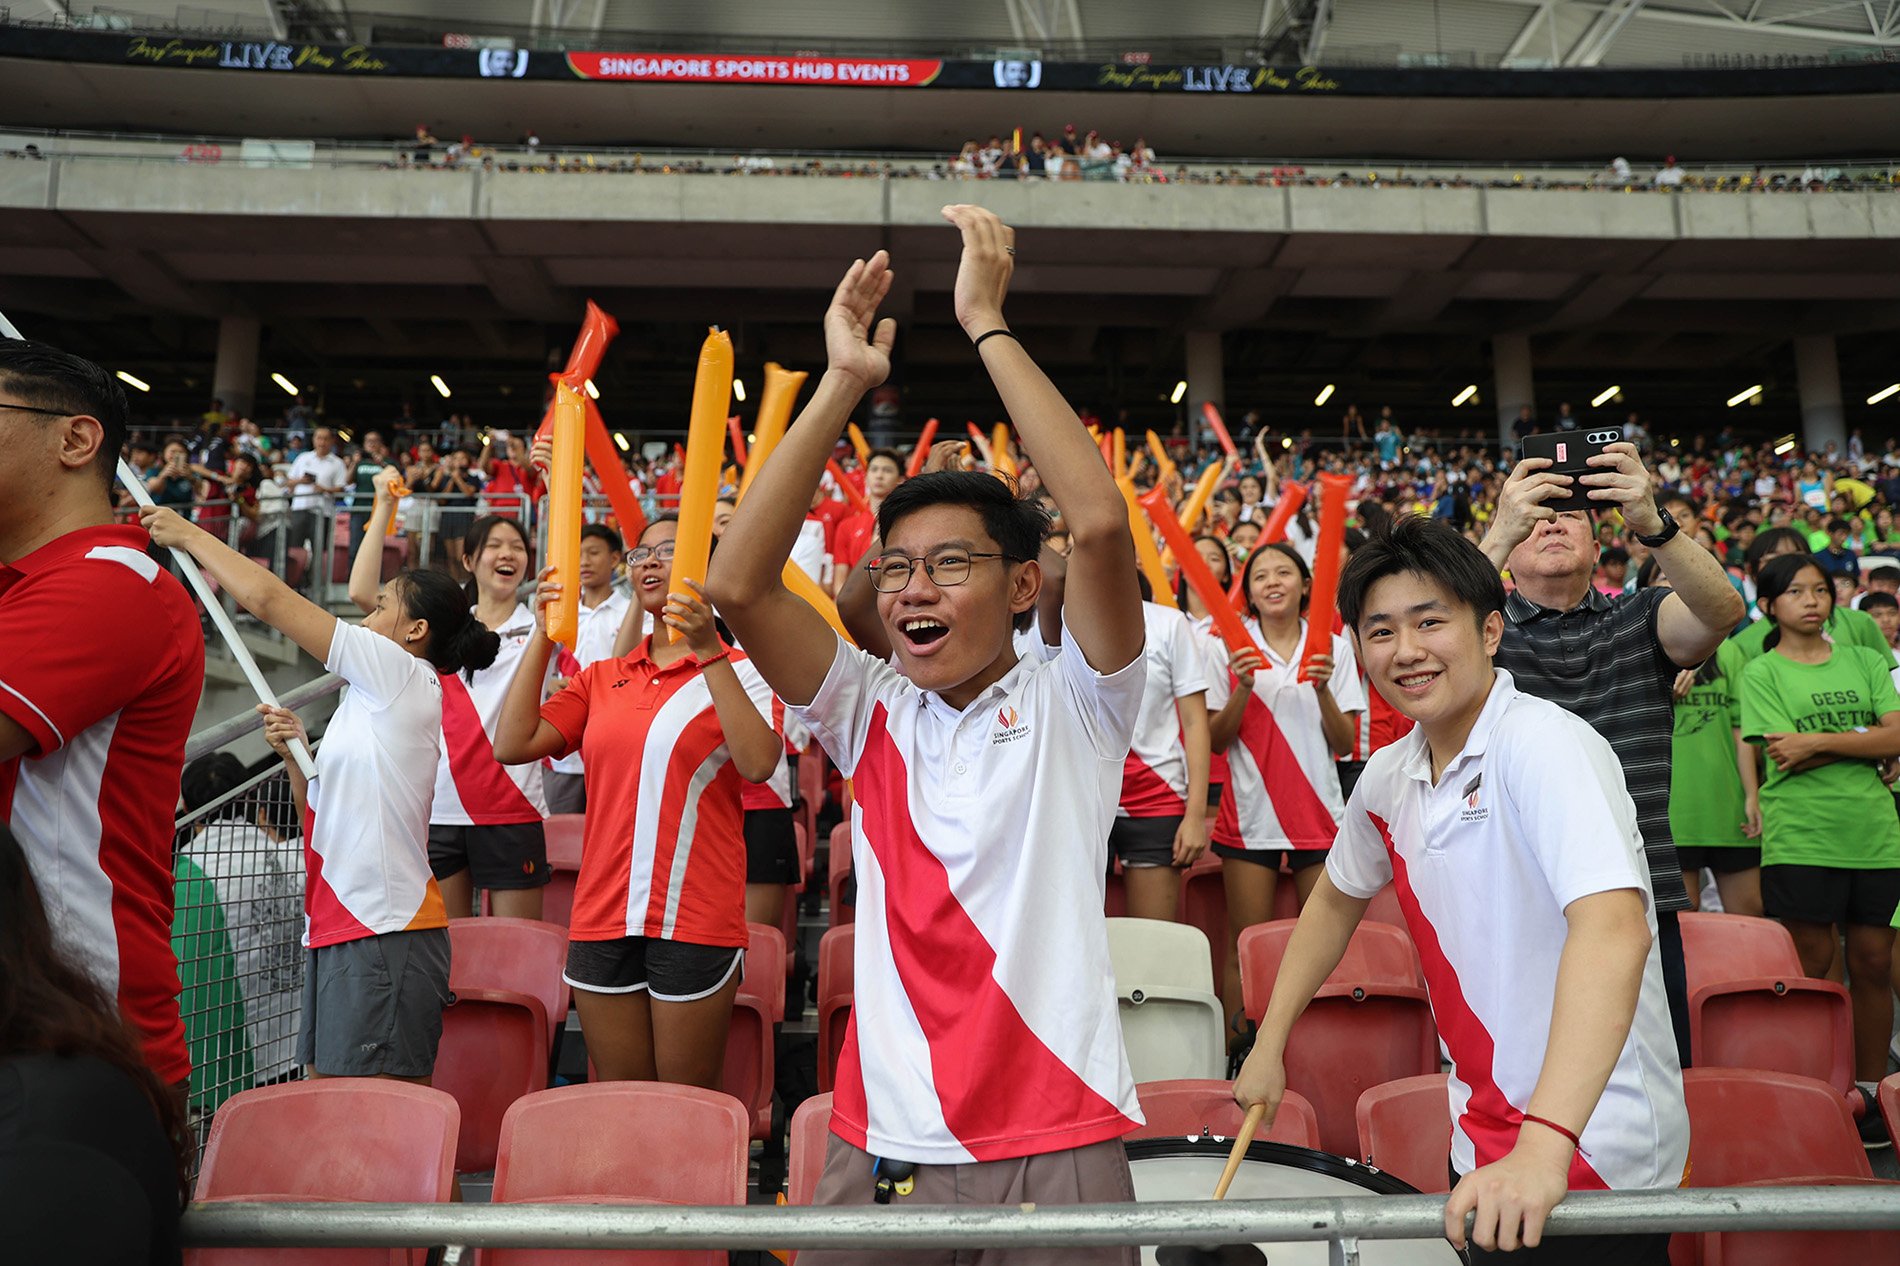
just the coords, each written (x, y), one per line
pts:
(1613, 661)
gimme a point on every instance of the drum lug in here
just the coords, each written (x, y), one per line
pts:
(1343, 1252)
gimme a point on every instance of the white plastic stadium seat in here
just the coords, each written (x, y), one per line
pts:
(1171, 1016)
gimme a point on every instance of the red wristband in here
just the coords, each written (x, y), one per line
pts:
(1552, 1125)
(725, 653)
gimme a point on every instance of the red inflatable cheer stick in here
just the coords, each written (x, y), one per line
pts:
(597, 330)
(1322, 602)
(1292, 497)
(1213, 417)
(921, 453)
(1195, 571)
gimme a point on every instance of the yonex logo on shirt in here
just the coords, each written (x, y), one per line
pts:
(1013, 727)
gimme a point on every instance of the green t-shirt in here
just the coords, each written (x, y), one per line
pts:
(1706, 804)
(211, 1001)
(1846, 627)
(1839, 814)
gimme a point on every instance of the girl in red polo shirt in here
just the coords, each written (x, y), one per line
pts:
(668, 734)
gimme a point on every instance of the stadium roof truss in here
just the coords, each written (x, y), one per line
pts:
(1551, 23)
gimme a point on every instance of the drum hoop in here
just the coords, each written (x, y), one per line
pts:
(1287, 1155)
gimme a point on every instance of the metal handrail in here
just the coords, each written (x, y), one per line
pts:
(246, 723)
(1340, 1220)
(327, 152)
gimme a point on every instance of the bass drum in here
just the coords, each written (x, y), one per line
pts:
(1187, 1169)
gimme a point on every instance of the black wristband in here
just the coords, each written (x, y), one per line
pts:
(978, 340)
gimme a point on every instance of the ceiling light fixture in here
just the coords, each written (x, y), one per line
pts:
(436, 381)
(1752, 393)
(290, 388)
(138, 383)
(1180, 389)
(1325, 394)
(1464, 395)
(1608, 393)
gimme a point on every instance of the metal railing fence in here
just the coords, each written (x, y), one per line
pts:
(1340, 1222)
(486, 158)
(237, 929)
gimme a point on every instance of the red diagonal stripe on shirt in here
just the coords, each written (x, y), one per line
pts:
(1490, 1120)
(995, 1080)
(1304, 817)
(488, 793)
(330, 920)
(1146, 794)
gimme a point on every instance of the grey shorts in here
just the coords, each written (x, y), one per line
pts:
(1096, 1174)
(373, 1007)
(566, 793)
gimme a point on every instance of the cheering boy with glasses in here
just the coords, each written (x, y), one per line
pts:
(984, 1063)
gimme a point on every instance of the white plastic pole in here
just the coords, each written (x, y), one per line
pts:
(189, 568)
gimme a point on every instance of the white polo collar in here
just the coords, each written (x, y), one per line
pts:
(998, 689)
(1417, 763)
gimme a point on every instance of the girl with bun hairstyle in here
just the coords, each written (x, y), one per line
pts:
(375, 928)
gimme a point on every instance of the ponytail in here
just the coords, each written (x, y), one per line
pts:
(458, 642)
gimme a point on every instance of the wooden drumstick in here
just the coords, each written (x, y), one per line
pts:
(1254, 1116)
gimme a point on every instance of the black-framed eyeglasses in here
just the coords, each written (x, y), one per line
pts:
(28, 408)
(640, 553)
(946, 567)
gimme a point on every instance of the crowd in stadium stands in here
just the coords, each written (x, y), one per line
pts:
(1699, 680)
(1069, 156)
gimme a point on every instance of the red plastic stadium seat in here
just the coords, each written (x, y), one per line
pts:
(813, 771)
(1889, 1098)
(1747, 1125)
(1115, 893)
(1204, 905)
(835, 988)
(1186, 1107)
(494, 1050)
(622, 1142)
(522, 955)
(751, 1043)
(838, 870)
(1405, 1129)
(1803, 1248)
(296, 564)
(342, 1138)
(805, 1156)
(1750, 1005)
(564, 862)
(1370, 1023)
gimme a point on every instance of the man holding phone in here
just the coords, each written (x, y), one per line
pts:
(1611, 660)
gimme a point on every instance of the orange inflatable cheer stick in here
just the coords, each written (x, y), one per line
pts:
(1159, 452)
(564, 513)
(1219, 426)
(1145, 552)
(859, 445)
(1004, 461)
(1322, 604)
(1292, 497)
(1118, 452)
(705, 450)
(397, 491)
(849, 489)
(1203, 490)
(597, 330)
(1195, 571)
(800, 582)
(921, 454)
(738, 440)
(612, 473)
(775, 413)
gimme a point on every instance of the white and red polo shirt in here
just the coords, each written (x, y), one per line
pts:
(1214, 657)
(366, 834)
(102, 662)
(595, 630)
(1155, 775)
(472, 788)
(1282, 782)
(985, 1023)
(1532, 815)
(663, 848)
